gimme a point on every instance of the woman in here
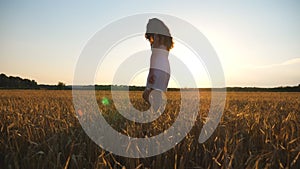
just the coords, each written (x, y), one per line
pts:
(161, 43)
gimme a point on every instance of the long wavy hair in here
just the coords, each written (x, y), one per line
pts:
(163, 40)
(158, 28)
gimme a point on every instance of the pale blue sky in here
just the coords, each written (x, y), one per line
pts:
(258, 42)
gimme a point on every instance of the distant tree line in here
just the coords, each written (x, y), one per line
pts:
(17, 83)
(257, 89)
(11, 82)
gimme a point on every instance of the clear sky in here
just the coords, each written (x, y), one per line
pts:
(258, 42)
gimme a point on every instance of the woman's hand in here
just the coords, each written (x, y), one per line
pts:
(146, 95)
(151, 79)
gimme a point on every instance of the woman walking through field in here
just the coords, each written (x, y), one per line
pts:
(161, 43)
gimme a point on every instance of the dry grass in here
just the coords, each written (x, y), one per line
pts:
(39, 129)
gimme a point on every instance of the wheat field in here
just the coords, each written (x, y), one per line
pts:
(40, 129)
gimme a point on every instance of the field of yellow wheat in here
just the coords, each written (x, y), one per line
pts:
(40, 129)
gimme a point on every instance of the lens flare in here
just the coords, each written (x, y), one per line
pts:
(105, 101)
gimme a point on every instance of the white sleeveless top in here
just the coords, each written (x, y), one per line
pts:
(159, 73)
